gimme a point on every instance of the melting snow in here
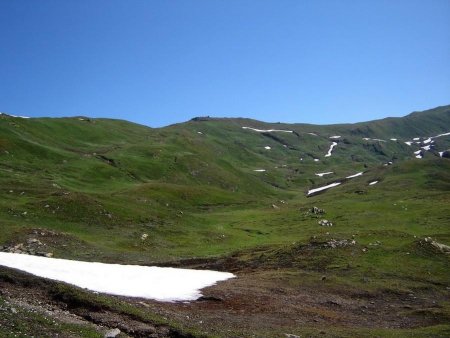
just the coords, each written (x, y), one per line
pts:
(426, 147)
(336, 136)
(334, 144)
(355, 175)
(163, 284)
(373, 139)
(417, 152)
(408, 143)
(312, 191)
(374, 182)
(393, 139)
(267, 147)
(268, 130)
(260, 170)
(22, 117)
(418, 156)
(322, 174)
(428, 140)
(445, 134)
(416, 138)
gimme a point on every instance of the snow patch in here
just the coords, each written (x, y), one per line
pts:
(373, 139)
(426, 147)
(267, 147)
(417, 152)
(355, 175)
(428, 140)
(335, 137)
(323, 174)
(373, 182)
(334, 144)
(316, 160)
(268, 130)
(408, 143)
(441, 153)
(440, 135)
(260, 170)
(393, 139)
(313, 134)
(22, 117)
(162, 284)
(419, 156)
(312, 191)
(416, 138)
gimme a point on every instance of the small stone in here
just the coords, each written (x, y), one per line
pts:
(112, 333)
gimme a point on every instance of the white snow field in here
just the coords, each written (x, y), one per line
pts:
(162, 284)
(312, 191)
(334, 144)
(268, 130)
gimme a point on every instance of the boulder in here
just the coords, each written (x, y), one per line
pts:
(112, 333)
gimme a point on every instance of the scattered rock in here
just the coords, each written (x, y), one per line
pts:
(428, 241)
(112, 333)
(339, 243)
(325, 223)
(317, 211)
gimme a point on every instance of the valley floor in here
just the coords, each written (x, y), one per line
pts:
(261, 302)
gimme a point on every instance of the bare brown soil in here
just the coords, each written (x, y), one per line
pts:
(258, 303)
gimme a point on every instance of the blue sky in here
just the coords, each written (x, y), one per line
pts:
(162, 62)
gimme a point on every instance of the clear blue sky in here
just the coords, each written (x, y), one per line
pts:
(159, 62)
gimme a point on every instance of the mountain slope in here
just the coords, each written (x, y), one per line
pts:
(232, 194)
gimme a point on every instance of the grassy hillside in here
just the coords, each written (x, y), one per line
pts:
(216, 193)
